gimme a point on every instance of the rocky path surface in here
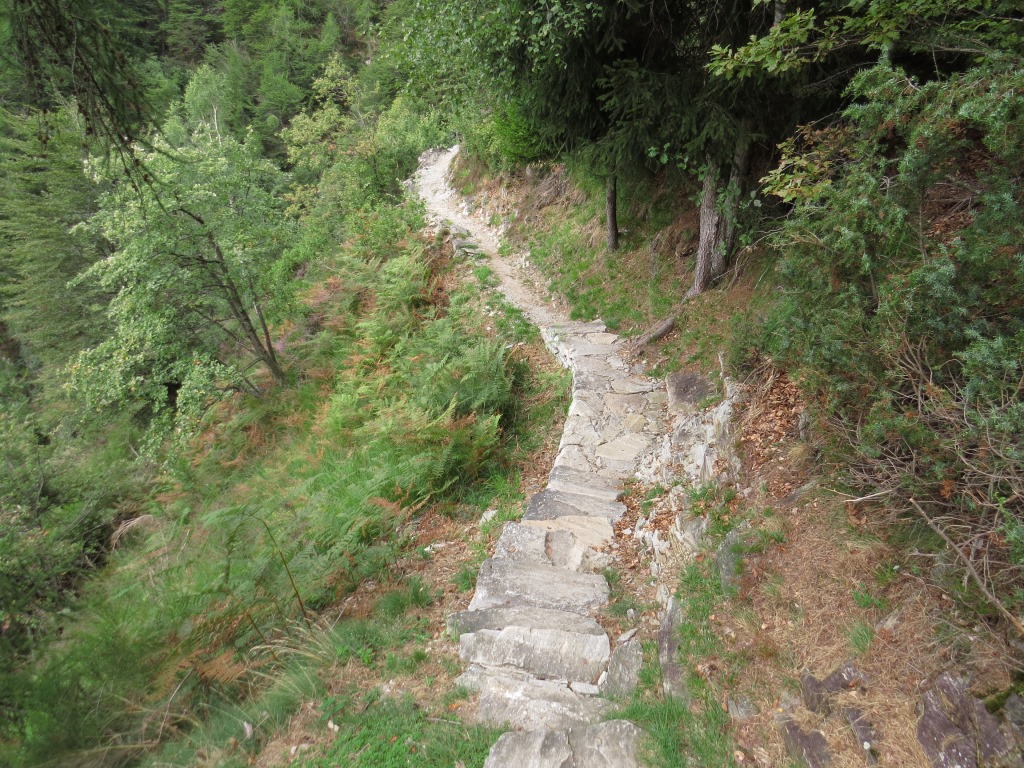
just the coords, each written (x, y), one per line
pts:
(535, 656)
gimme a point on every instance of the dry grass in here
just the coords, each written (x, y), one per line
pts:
(800, 602)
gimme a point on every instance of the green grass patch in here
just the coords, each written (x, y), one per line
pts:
(388, 733)
(694, 733)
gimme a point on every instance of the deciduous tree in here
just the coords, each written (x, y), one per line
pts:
(189, 273)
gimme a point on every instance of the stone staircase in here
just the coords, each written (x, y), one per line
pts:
(537, 658)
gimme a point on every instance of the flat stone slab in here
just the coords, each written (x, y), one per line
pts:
(620, 405)
(504, 582)
(634, 422)
(549, 504)
(624, 448)
(532, 749)
(574, 457)
(545, 653)
(596, 366)
(593, 532)
(557, 546)
(522, 702)
(522, 616)
(632, 386)
(687, 389)
(584, 348)
(612, 744)
(568, 480)
(522, 543)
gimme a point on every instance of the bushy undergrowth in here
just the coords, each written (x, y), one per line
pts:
(281, 505)
(903, 277)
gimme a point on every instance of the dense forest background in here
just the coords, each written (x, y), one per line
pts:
(204, 232)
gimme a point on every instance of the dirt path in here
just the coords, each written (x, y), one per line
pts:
(517, 281)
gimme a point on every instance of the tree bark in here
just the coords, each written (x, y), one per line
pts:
(710, 232)
(718, 218)
(611, 211)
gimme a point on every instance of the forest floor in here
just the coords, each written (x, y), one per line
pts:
(822, 584)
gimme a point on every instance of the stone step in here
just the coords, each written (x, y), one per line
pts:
(535, 544)
(587, 382)
(592, 533)
(612, 744)
(576, 458)
(544, 653)
(594, 326)
(549, 504)
(522, 702)
(580, 348)
(569, 480)
(522, 616)
(623, 404)
(504, 582)
(579, 430)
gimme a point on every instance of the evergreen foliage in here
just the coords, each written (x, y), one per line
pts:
(903, 277)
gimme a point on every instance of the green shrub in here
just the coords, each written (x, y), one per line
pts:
(901, 283)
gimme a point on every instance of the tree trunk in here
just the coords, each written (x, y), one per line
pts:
(710, 232)
(611, 211)
(264, 351)
(780, 12)
(718, 219)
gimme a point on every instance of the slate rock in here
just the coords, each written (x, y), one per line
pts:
(1013, 712)
(690, 532)
(956, 729)
(816, 696)
(846, 678)
(993, 745)
(805, 748)
(623, 670)
(864, 734)
(687, 389)
(729, 559)
(945, 743)
(504, 582)
(673, 681)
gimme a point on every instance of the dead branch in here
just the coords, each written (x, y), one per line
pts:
(994, 601)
